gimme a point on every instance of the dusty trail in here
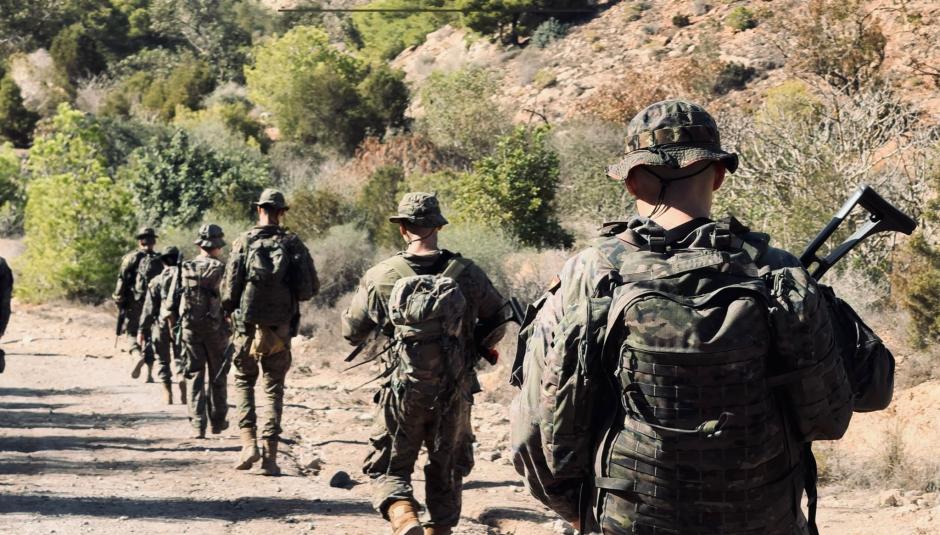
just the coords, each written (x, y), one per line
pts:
(86, 449)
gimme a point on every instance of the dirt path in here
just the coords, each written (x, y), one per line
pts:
(86, 449)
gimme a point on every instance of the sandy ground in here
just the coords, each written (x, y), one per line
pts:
(86, 449)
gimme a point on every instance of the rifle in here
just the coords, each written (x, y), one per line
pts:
(121, 319)
(483, 332)
(882, 217)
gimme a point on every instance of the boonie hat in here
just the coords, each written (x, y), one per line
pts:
(146, 232)
(421, 209)
(170, 253)
(210, 237)
(672, 133)
(272, 197)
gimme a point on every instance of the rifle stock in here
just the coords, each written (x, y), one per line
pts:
(882, 217)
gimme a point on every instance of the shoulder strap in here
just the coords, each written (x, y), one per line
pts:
(455, 267)
(400, 266)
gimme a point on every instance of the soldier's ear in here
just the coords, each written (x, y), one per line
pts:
(630, 184)
(719, 176)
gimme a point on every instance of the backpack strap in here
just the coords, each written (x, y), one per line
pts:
(455, 267)
(399, 265)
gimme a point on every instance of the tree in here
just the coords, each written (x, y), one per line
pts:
(515, 188)
(379, 199)
(77, 55)
(11, 191)
(16, 122)
(77, 218)
(384, 35)
(507, 18)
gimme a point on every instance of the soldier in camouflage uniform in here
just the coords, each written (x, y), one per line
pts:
(635, 478)
(6, 293)
(269, 273)
(401, 431)
(155, 330)
(194, 299)
(137, 269)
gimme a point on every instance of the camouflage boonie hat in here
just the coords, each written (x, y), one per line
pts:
(272, 197)
(421, 209)
(210, 237)
(171, 253)
(145, 233)
(673, 133)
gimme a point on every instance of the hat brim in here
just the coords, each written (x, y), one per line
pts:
(146, 236)
(685, 156)
(285, 208)
(426, 222)
(217, 243)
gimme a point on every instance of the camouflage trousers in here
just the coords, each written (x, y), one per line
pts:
(265, 352)
(204, 357)
(164, 349)
(132, 315)
(403, 424)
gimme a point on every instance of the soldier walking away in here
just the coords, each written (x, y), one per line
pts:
(428, 302)
(6, 293)
(156, 324)
(194, 296)
(678, 369)
(269, 273)
(137, 269)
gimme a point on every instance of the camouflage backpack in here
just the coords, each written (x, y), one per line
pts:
(199, 298)
(682, 342)
(427, 313)
(148, 267)
(277, 276)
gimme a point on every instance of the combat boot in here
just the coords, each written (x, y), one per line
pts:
(168, 392)
(183, 391)
(149, 372)
(438, 530)
(404, 518)
(249, 454)
(269, 465)
(135, 373)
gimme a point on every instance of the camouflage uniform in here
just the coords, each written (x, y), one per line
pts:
(155, 322)
(262, 348)
(6, 293)
(204, 334)
(396, 443)
(130, 292)
(679, 135)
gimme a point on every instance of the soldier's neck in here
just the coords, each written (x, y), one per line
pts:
(422, 247)
(674, 215)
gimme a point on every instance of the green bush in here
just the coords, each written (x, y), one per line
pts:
(225, 125)
(462, 113)
(732, 77)
(16, 122)
(342, 255)
(502, 16)
(77, 55)
(549, 31)
(384, 35)
(77, 218)
(385, 97)
(186, 85)
(515, 189)
(12, 195)
(313, 212)
(378, 200)
(741, 18)
(176, 180)
(680, 21)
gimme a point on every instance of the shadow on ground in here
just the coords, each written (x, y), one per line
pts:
(231, 510)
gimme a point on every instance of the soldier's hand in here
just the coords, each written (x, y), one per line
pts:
(491, 355)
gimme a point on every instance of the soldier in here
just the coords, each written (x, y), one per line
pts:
(6, 293)
(155, 324)
(194, 299)
(428, 396)
(680, 325)
(269, 273)
(137, 269)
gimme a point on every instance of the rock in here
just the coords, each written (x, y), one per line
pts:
(365, 417)
(889, 498)
(562, 527)
(492, 455)
(341, 480)
(314, 464)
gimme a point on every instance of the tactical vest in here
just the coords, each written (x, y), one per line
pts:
(148, 267)
(200, 305)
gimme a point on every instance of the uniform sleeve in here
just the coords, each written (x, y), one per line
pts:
(6, 294)
(151, 310)
(491, 308)
(561, 495)
(125, 281)
(170, 303)
(306, 283)
(233, 282)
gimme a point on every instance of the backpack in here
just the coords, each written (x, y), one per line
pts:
(149, 266)
(427, 313)
(277, 277)
(199, 298)
(681, 343)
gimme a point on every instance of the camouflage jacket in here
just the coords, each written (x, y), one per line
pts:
(367, 312)
(157, 291)
(125, 291)
(6, 293)
(577, 281)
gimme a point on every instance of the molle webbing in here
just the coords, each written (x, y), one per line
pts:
(678, 134)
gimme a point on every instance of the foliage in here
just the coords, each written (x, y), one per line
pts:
(77, 218)
(837, 40)
(547, 32)
(732, 77)
(515, 187)
(12, 196)
(741, 18)
(76, 55)
(680, 20)
(377, 201)
(175, 180)
(384, 35)
(342, 256)
(302, 80)
(148, 94)
(314, 211)
(16, 122)
(225, 125)
(504, 17)
(618, 102)
(461, 112)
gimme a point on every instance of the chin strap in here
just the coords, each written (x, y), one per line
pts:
(664, 183)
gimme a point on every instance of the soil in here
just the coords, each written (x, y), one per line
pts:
(86, 449)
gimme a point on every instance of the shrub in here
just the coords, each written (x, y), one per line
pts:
(544, 78)
(618, 102)
(741, 19)
(385, 97)
(384, 35)
(225, 126)
(515, 189)
(462, 113)
(12, 195)
(680, 21)
(549, 31)
(314, 212)
(16, 122)
(77, 218)
(77, 55)
(732, 77)
(186, 85)
(378, 200)
(499, 16)
(342, 255)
